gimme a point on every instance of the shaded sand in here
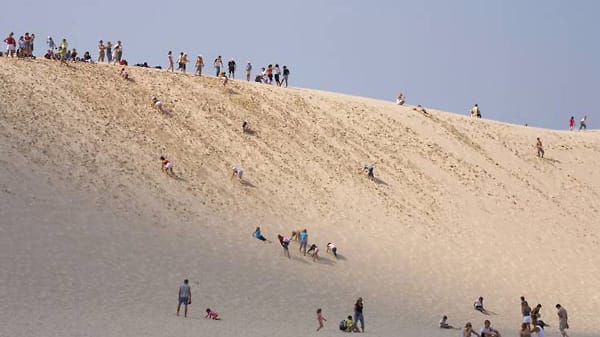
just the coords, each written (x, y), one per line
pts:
(95, 239)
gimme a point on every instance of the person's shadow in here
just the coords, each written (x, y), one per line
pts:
(379, 181)
(246, 183)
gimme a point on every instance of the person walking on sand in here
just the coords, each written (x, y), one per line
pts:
(303, 241)
(358, 314)
(332, 248)
(563, 323)
(525, 308)
(537, 329)
(582, 123)
(314, 252)
(285, 243)
(320, 319)
(258, 235)
(248, 71)
(571, 123)
(170, 64)
(199, 65)
(276, 73)
(181, 63)
(286, 74)
(218, 63)
(185, 297)
(540, 153)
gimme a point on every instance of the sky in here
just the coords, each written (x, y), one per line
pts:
(524, 62)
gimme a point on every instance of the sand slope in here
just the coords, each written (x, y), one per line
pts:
(95, 239)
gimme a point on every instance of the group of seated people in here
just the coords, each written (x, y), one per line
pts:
(70, 55)
(348, 325)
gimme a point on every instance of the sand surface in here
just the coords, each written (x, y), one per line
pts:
(95, 239)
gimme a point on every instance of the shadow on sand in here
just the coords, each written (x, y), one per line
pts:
(246, 183)
(379, 181)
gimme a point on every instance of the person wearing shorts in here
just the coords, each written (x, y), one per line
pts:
(303, 241)
(11, 45)
(185, 296)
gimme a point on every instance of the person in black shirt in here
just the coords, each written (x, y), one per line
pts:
(231, 65)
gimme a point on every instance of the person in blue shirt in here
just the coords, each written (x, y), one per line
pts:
(257, 234)
(303, 241)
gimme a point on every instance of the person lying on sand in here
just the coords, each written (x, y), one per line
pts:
(419, 108)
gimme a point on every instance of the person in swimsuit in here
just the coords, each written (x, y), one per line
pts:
(540, 151)
(101, 51)
(468, 330)
(199, 65)
(124, 74)
(170, 65)
(320, 319)
(525, 332)
(488, 331)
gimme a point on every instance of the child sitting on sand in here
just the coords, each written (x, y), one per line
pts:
(212, 314)
(124, 74)
(167, 166)
(237, 172)
(444, 324)
(157, 104)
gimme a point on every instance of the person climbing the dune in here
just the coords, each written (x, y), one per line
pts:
(285, 243)
(167, 166)
(369, 169)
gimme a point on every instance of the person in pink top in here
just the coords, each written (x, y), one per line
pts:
(320, 318)
(571, 123)
(212, 314)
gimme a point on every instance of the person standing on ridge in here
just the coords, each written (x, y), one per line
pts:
(109, 55)
(218, 63)
(248, 71)
(475, 111)
(286, 74)
(571, 123)
(231, 68)
(101, 51)
(582, 123)
(199, 65)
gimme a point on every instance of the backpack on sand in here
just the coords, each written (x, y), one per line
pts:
(343, 326)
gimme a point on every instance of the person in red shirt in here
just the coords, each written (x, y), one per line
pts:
(571, 123)
(11, 44)
(167, 166)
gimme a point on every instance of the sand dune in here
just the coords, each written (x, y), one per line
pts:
(95, 239)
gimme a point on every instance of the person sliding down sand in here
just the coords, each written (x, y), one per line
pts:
(212, 314)
(468, 331)
(124, 74)
(246, 127)
(314, 252)
(478, 305)
(285, 243)
(258, 235)
(419, 108)
(236, 172)
(157, 104)
(167, 166)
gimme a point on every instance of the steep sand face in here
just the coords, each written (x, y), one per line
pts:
(95, 238)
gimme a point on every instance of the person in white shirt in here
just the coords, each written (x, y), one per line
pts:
(488, 331)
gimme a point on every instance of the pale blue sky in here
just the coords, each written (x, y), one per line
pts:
(532, 62)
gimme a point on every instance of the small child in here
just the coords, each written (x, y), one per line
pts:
(124, 74)
(332, 248)
(167, 166)
(245, 127)
(444, 324)
(320, 318)
(295, 235)
(157, 104)
(314, 252)
(237, 172)
(212, 314)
